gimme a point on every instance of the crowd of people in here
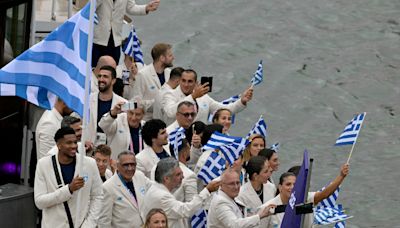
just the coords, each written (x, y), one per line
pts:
(131, 175)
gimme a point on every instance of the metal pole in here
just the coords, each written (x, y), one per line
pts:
(33, 24)
(53, 9)
(307, 188)
(69, 8)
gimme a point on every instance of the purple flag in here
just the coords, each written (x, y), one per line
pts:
(290, 219)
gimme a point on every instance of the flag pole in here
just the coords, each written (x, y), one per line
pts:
(86, 103)
(307, 189)
(352, 147)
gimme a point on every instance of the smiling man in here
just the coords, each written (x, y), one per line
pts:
(57, 183)
(123, 195)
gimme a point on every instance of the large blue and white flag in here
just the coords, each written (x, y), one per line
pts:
(56, 66)
(260, 128)
(132, 47)
(233, 150)
(175, 140)
(218, 139)
(351, 131)
(199, 219)
(213, 168)
(258, 75)
(225, 102)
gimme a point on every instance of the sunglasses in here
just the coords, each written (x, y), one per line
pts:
(187, 114)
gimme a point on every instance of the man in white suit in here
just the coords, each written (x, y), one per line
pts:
(156, 137)
(123, 195)
(150, 79)
(102, 155)
(47, 126)
(168, 176)
(226, 212)
(173, 82)
(123, 129)
(52, 197)
(101, 103)
(185, 115)
(189, 90)
(107, 36)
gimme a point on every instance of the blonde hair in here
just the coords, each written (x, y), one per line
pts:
(246, 153)
(153, 212)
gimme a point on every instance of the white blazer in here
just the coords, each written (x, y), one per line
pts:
(206, 104)
(147, 159)
(158, 111)
(50, 198)
(46, 128)
(92, 127)
(120, 209)
(177, 212)
(224, 212)
(147, 86)
(110, 15)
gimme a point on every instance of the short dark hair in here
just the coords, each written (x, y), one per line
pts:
(68, 120)
(159, 50)
(176, 73)
(111, 69)
(186, 103)
(267, 153)
(150, 130)
(198, 128)
(103, 149)
(294, 169)
(255, 165)
(63, 131)
(209, 130)
(188, 71)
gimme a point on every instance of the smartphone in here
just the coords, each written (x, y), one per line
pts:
(205, 79)
(129, 106)
(280, 209)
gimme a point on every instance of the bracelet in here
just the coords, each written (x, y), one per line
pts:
(114, 117)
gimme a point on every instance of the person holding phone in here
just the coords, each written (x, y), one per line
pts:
(190, 90)
(123, 128)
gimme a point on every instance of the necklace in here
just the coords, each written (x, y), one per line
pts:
(259, 192)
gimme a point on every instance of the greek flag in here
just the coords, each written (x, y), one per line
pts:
(53, 67)
(175, 140)
(258, 75)
(350, 133)
(199, 219)
(213, 168)
(275, 147)
(260, 127)
(218, 139)
(225, 102)
(132, 47)
(234, 150)
(331, 200)
(330, 215)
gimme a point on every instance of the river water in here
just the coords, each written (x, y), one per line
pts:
(324, 61)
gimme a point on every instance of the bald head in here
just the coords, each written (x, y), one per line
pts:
(105, 60)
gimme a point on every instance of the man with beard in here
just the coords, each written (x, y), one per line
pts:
(151, 77)
(101, 103)
(169, 176)
(190, 90)
(57, 183)
(103, 61)
(47, 126)
(156, 137)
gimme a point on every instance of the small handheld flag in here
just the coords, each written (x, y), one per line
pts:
(175, 140)
(213, 168)
(132, 47)
(234, 150)
(260, 127)
(258, 75)
(199, 219)
(218, 139)
(351, 131)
